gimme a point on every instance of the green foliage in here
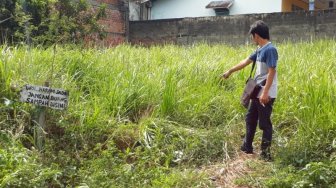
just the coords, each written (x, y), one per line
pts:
(152, 116)
(314, 174)
(314, 145)
(20, 167)
(47, 22)
(148, 162)
(7, 11)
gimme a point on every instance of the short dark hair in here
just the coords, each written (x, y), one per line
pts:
(259, 27)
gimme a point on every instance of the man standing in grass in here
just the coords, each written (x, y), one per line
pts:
(260, 108)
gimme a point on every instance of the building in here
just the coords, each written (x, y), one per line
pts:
(166, 9)
(115, 23)
(209, 26)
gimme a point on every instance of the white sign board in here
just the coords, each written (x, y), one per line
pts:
(45, 96)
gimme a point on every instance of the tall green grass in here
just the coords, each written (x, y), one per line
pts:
(150, 116)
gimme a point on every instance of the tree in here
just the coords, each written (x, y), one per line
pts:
(49, 21)
(7, 9)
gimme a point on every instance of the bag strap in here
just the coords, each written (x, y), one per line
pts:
(253, 65)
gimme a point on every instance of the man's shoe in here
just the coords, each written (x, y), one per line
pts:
(247, 151)
(266, 156)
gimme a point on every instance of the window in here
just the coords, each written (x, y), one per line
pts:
(222, 12)
(145, 10)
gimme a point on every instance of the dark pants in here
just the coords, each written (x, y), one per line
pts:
(256, 112)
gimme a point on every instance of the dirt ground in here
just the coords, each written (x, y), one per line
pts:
(224, 175)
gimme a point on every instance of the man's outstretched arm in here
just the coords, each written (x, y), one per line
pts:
(237, 67)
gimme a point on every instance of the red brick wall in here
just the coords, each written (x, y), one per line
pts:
(115, 23)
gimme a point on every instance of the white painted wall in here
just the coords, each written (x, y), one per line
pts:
(255, 6)
(164, 9)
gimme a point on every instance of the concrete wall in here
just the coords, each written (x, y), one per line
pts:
(164, 9)
(116, 22)
(293, 26)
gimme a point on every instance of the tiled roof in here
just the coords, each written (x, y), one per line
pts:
(220, 4)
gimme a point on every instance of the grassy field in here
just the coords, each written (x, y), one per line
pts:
(152, 117)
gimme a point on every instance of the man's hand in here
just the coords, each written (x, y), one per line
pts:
(237, 67)
(227, 74)
(264, 98)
